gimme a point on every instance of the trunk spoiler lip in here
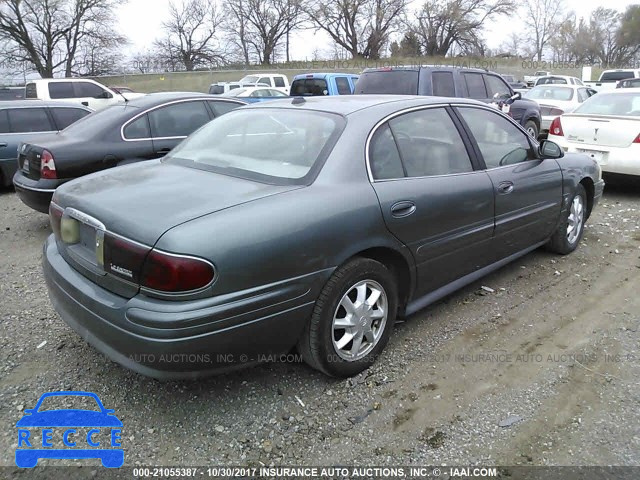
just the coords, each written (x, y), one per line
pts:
(601, 116)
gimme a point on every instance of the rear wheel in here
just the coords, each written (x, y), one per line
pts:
(532, 128)
(352, 319)
(568, 235)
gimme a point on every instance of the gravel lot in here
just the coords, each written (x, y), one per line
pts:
(552, 355)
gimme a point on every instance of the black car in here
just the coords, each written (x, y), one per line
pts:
(141, 129)
(443, 81)
(25, 121)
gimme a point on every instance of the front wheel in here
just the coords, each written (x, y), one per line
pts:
(352, 319)
(568, 235)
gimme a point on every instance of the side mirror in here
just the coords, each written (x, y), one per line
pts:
(549, 149)
(516, 96)
(501, 96)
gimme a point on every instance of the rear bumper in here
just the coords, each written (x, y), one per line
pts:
(623, 161)
(36, 194)
(188, 339)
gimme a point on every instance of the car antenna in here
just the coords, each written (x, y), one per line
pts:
(298, 101)
(126, 100)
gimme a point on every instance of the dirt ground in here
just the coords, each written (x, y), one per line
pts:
(544, 369)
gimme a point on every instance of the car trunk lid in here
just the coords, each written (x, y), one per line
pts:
(600, 130)
(137, 204)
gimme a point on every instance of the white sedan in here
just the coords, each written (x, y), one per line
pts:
(607, 128)
(554, 100)
(256, 93)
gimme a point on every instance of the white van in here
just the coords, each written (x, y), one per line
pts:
(84, 91)
(273, 80)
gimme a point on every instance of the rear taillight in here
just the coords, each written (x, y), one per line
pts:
(47, 165)
(120, 257)
(637, 140)
(167, 272)
(55, 218)
(556, 128)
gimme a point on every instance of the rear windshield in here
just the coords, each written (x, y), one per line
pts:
(101, 121)
(615, 76)
(309, 87)
(552, 80)
(611, 104)
(400, 82)
(277, 146)
(540, 92)
(216, 89)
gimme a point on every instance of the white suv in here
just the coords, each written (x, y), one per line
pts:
(84, 91)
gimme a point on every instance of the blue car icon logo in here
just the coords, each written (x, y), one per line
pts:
(71, 434)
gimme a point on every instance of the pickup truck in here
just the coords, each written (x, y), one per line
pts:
(530, 80)
(317, 84)
(273, 80)
(610, 78)
(75, 90)
(448, 81)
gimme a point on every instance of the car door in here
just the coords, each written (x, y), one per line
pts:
(92, 95)
(528, 190)
(173, 122)
(433, 196)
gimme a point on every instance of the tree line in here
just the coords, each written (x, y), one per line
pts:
(80, 37)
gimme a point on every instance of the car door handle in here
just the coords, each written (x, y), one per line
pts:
(403, 209)
(3, 145)
(164, 151)
(505, 188)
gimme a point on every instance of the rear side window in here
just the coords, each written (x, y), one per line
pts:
(138, 129)
(178, 120)
(279, 81)
(430, 144)
(31, 91)
(309, 87)
(24, 120)
(442, 83)
(475, 85)
(343, 86)
(400, 82)
(383, 155)
(496, 86)
(220, 108)
(66, 116)
(59, 90)
(4, 122)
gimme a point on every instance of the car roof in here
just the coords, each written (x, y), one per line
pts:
(324, 75)
(421, 67)
(153, 99)
(348, 104)
(39, 103)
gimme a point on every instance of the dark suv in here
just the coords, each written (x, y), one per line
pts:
(451, 82)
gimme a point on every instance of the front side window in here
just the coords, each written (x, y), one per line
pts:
(138, 129)
(25, 120)
(89, 90)
(279, 82)
(67, 115)
(342, 83)
(475, 85)
(279, 146)
(429, 143)
(265, 80)
(58, 90)
(178, 120)
(497, 86)
(501, 143)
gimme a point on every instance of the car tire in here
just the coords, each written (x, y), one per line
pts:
(532, 128)
(568, 235)
(322, 344)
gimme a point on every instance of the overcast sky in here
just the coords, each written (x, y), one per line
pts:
(141, 21)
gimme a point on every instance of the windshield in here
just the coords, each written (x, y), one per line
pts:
(278, 146)
(563, 94)
(309, 87)
(249, 79)
(612, 104)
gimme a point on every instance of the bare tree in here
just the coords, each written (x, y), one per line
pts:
(542, 17)
(266, 23)
(234, 25)
(190, 34)
(49, 33)
(362, 27)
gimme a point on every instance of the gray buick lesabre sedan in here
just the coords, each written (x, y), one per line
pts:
(309, 223)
